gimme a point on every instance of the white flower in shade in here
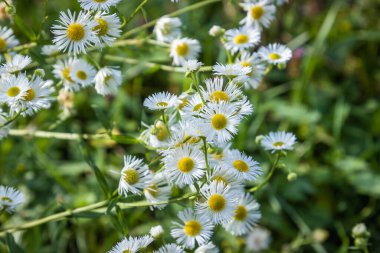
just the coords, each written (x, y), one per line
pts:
(107, 80)
(193, 106)
(184, 165)
(258, 239)
(278, 141)
(207, 248)
(7, 39)
(259, 13)
(220, 202)
(50, 50)
(18, 63)
(245, 106)
(82, 72)
(158, 135)
(257, 69)
(217, 92)
(239, 40)
(62, 70)
(161, 101)
(216, 156)
(37, 97)
(156, 231)
(246, 216)
(13, 89)
(4, 130)
(168, 29)
(192, 228)
(235, 71)
(222, 176)
(241, 166)
(192, 65)
(157, 190)
(184, 49)
(97, 4)
(10, 199)
(170, 248)
(135, 175)
(75, 33)
(131, 244)
(107, 28)
(219, 121)
(216, 31)
(275, 54)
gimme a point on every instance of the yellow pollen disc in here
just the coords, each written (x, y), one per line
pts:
(102, 27)
(240, 165)
(216, 202)
(219, 179)
(278, 144)
(30, 94)
(241, 39)
(182, 49)
(247, 64)
(192, 228)
(161, 132)
(185, 164)
(82, 75)
(75, 32)
(241, 213)
(166, 29)
(100, 1)
(131, 176)
(218, 96)
(274, 56)
(127, 250)
(13, 91)
(3, 44)
(6, 199)
(257, 12)
(197, 107)
(66, 74)
(219, 121)
(183, 103)
(218, 156)
(152, 190)
(162, 104)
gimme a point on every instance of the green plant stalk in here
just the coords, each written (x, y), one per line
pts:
(194, 77)
(206, 155)
(269, 176)
(136, 11)
(57, 135)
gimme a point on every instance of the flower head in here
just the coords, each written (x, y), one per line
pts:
(239, 40)
(10, 199)
(184, 49)
(167, 29)
(275, 54)
(98, 4)
(161, 101)
(107, 80)
(278, 141)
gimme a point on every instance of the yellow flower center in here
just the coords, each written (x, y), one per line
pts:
(13, 91)
(274, 56)
(81, 75)
(241, 213)
(161, 131)
(131, 176)
(162, 104)
(75, 32)
(218, 156)
(152, 190)
(257, 12)
(102, 1)
(247, 64)
(241, 39)
(3, 44)
(218, 96)
(192, 228)
(216, 202)
(102, 27)
(197, 107)
(185, 164)
(183, 103)
(166, 29)
(219, 179)
(278, 144)
(126, 250)
(66, 74)
(6, 199)
(182, 49)
(219, 121)
(240, 165)
(30, 94)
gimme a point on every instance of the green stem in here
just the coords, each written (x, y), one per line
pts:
(56, 135)
(269, 176)
(136, 11)
(163, 117)
(206, 155)
(193, 76)
(10, 121)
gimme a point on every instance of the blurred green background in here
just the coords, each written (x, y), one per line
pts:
(328, 96)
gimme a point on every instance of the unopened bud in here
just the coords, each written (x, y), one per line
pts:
(157, 231)
(259, 138)
(216, 31)
(292, 176)
(39, 72)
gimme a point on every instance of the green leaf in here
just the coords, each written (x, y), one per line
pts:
(13, 246)
(125, 139)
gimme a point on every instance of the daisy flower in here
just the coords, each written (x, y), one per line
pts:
(156, 231)
(191, 229)
(259, 13)
(257, 69)
(241, 166)
(62, 70)
(239, 40)
(170, 248)
(161, 101)
(192, 65)
(246, 216)
(107, 28)
(18, 63)
(275, 54)
(193, 106)
(258, 239)
(158, 134)
(168, 29)
(278, 141)
(131, 244)
(7, 39)
(50, 50)
(219, 121)
(75, 33)
(235, 71)
(82, 72)
(157, 190)
(107, 80)
(13, 89)
(216, 93)
(97, 4)
(184, 49)
(10, 199)
(135, 175)
(221, 175)
(207, 248)
(184, 164)
(220, 203)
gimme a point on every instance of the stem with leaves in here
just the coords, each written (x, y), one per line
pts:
(269, 176)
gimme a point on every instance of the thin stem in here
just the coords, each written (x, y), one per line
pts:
(193, 76)
(271, 172)
(163, 116)
(206, 154)
(10, 120)
(56, 135)
(136, 11)
(22, 47)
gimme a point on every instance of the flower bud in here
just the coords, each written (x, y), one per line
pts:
(292, 176)
(259, 138)
(216, 31)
